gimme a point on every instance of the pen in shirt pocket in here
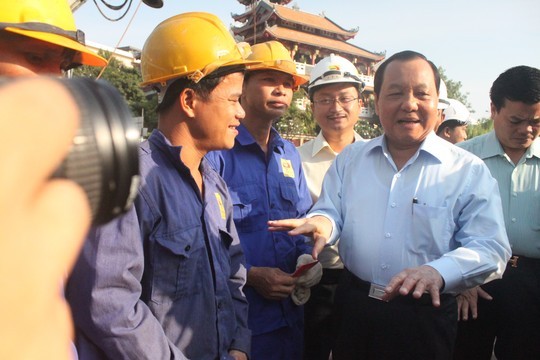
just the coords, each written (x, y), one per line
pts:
(414, 201)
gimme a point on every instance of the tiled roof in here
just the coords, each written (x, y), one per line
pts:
(321, 42)
(249, 2)
(297, 17)
(312, 20)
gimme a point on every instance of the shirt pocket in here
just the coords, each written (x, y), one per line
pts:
(249, 210)
(178, 261)
(290, 197)
(431, 230)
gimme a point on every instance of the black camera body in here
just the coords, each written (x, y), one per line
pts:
(104, 158)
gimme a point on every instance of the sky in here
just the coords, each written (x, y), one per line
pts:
(472, 40)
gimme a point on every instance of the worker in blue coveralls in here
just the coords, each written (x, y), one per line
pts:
(265, 179)
(165, 280)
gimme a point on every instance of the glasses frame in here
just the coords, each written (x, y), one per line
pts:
(342, 101)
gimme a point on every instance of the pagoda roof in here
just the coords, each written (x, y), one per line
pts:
(249, 2)
(300, 17)
(321, 42)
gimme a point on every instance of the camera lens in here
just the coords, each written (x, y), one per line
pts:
(104, 157)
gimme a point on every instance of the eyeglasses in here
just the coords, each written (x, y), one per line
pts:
(535, 124)
(343, 101)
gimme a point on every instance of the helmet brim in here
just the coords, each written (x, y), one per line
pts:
(87, 56)
(211, 68)
(341, 80)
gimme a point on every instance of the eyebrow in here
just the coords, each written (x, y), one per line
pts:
(517, 118)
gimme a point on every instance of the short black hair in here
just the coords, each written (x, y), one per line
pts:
(520, 83)
(403, 56)
(451, 124)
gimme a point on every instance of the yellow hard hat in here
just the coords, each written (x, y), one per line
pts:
(274, 56)
(50, 21)
(191, 45)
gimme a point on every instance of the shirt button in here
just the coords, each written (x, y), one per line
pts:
(398, 175)
(187, 248)
(219, 306)
(387, 235)
(514, 220)
(393, 205)
(514, 194)
(385, 266)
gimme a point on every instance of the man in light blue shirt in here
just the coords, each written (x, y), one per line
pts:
(509, 308)
(414, 215)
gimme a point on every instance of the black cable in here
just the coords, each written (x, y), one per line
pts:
(114, 7)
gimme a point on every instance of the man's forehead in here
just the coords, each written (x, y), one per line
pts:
(401, 69)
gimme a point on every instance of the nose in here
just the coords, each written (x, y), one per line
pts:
(240, 112)
(409, 103)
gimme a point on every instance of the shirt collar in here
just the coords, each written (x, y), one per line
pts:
(320, 143)
(491, 147)
(534, 149)
(437, 147)
(245, 138)
(172, 152)
(433, 145)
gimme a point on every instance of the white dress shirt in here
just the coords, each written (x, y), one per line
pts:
(442, 209)
(317, 155)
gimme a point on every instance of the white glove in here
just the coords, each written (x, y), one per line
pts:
(300, 295)
(310, 277)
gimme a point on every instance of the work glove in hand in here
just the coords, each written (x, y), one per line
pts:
(301, 292)
(310, 277)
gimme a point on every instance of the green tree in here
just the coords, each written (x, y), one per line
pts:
(127, 81)
(481, 127)
(296, 121)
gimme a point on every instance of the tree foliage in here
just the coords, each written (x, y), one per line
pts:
(127, 81)
(297, 121)
(481, 127)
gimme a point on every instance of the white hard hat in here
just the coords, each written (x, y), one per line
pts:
(443, 96)
(456, 111)
(334, 69)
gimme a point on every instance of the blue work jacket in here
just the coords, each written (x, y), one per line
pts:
(266, 188)
(165, 280)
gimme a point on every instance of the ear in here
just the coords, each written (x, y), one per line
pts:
(446, 132)
(493, 111)
(376, 103)
(187, 101)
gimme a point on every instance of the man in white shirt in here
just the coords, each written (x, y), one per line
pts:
(335, 93)
(418, 220)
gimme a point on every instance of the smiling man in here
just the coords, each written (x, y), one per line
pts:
(417, 218)
(334, 89)
(165, 280)
(266, 181)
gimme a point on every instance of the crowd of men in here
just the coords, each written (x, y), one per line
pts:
(241, 246)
